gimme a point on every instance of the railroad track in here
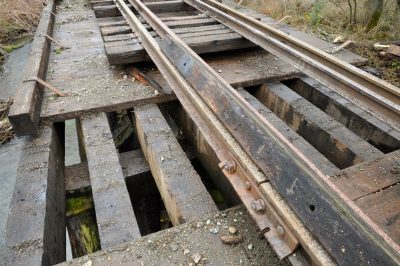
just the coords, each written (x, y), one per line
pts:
(309, 145)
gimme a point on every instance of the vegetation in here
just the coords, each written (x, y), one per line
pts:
(363, 21)
(18, 17)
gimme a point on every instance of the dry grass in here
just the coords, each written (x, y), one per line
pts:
(6, 132)
(329, 19)
(18, 17)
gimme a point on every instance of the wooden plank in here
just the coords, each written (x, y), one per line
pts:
(383, 208)
(201, 30)
(331, 138)
(134, 52)
(25, 112)
(184, 195)
(302, 145)
(369, 177)
(123, 28)
(133, 163)
(361, 122)
(115, 217)
(156, 7)
(114, 30)
(35, 232)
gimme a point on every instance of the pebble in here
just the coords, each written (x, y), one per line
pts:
(186, 251)
(88, 263)
(196, 258)
(231, 239)
(219, 71)
(208, 222)
(232, 230)
(173, 247)
(125, 77)
(214, 230)
(249, 246)
(200, 224)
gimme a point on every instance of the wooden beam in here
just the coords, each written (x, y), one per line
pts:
(133, 163)
(115, 217)
(134, 52)
(303, 146)
(331, 138)
(25, 112)
(35, 232)
(184, 195)
(361, 122)
(102, 11)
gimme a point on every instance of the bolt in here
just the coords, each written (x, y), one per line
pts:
(247, 185)
(258, 205)
(229, 166)
(280, 230)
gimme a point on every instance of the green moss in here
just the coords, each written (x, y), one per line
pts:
(11, 46)
(90, 237)
(77, 205)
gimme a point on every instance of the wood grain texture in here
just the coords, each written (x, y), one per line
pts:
(303, 146)
(184, 195)
(115, 217)
(35, 232)
(384, 209)
(369, 177)
(340, 145)
(25, 112)
(132, 163)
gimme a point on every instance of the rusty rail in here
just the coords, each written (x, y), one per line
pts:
(208, 98)
(372, 92)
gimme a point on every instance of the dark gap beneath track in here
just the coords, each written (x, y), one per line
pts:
(80, 217)
(204, 161)
(147, 204)
(346, 113)
(335, 151)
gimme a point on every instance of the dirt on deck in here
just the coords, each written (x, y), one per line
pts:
(197, 243)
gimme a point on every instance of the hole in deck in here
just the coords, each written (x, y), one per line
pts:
(123, 131)
(204, 161)
(150, 212)
(347, 113)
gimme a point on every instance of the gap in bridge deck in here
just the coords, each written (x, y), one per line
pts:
(342, 132)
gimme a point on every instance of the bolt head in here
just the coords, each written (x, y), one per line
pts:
(258, 205)
(280, 230)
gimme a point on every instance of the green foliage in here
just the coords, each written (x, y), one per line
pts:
(314, 17)
(58, 50)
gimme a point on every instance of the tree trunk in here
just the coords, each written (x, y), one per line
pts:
(374, 10)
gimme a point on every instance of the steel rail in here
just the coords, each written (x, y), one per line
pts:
(227, 148)
(372, 92)
(311, 182)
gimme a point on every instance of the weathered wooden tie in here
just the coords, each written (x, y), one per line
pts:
(330, 137)
(25, 112)
(35, 232)
(180, 186)
(115, 217)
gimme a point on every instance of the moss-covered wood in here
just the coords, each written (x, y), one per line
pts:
(81, 223)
